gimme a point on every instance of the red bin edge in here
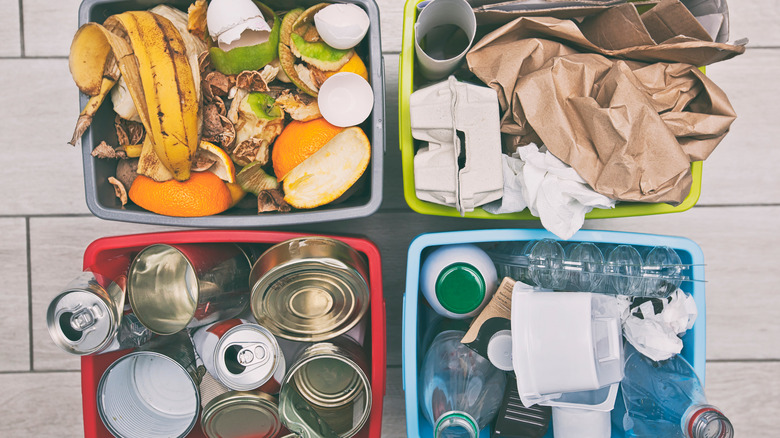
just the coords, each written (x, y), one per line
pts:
(92, 367)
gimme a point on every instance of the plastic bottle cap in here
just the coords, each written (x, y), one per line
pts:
(499, 350)
(460, 288)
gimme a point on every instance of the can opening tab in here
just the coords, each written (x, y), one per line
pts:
(240, 357)
(82, 319)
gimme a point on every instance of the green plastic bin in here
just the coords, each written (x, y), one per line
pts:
(409, 147)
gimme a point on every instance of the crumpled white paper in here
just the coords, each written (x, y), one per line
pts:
(653, 326)
(550, 189)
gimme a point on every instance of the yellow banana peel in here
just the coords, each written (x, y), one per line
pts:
(151, 55)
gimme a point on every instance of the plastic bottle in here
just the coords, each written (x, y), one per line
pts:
(460, 391)
(666, 399)
(458, 280)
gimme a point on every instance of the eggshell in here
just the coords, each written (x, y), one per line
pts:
(345, 99)
(342, 26)
(236, 23)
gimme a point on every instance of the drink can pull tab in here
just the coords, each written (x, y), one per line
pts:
(253, 355)
(83, 319)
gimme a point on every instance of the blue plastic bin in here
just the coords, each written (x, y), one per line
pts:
(417, 313)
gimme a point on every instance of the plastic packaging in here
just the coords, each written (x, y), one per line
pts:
(460, 391)
(667, 399)
(458, 280)
(517, 421)
(586, 267)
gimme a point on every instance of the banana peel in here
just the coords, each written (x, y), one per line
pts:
(151, 56)
(150, 165)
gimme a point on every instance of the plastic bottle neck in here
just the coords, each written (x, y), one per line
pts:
(456, 424)
(706, 421)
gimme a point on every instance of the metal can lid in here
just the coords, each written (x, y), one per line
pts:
(247, 356)
(329, 381)
(311, 300)
(80, 322)
(237, 414)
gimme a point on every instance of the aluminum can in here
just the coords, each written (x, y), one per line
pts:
(327, 391)
(152, 391)
(243, 356)
(309, 289)
(173, 287)
(88, 318)
(237, 414)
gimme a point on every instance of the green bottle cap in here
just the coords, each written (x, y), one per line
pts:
(460, 288)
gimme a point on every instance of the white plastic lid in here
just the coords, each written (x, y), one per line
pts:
(345, 99)
(499, 350)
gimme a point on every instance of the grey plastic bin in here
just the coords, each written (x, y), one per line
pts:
(363, 202)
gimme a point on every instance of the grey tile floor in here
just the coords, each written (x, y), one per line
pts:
(46, 226)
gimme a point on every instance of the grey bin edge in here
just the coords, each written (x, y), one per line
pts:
(99, 194)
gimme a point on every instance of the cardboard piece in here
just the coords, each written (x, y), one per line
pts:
(500, 306)
(461, 164)
(504, 12)
(630, 129)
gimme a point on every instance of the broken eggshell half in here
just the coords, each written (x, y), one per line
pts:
(345, 99)
(342, 26)
(236, 23)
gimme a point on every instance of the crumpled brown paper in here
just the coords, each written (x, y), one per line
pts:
(630, 129)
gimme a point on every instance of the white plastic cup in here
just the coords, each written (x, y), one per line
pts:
(581, 423)
(441, 13)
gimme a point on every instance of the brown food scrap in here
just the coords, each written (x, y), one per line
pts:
(272, 200)
(128, 132)
(119, 190)
(202, 160)
(254, 149)
(212, 125)
(317, 76)
(252, 81)
(204, 63)
(220, 105)
(299, 106)
(219, 83)
(127, 171)
(196, 18)
(310, 34)
(225, 137)
(103, 150)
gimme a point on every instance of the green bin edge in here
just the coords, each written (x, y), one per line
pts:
(406, 143)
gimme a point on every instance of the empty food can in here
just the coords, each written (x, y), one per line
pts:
(309, 289)
(237, 414)
(241, 355)
(327, 392)
(173, 287)
(87, 318)
(153, 391)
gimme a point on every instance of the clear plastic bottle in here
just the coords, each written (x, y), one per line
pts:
(666, 399)
(460, 391)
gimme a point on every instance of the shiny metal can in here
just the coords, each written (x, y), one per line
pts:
(88, 318)
(173, 287)
(327, 391)
(237, 414)
(243, 356)
(309, 289)
(152, 391)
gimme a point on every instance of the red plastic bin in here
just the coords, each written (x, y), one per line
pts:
(113, 248)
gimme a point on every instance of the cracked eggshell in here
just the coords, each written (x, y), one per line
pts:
(236, 23)
(342, 26)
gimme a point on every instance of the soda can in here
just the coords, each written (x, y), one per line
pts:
(88, 318)
(309, 289)
(327, 391)
(237, 414)
(152, 391)
(243, 356)
(173, 287)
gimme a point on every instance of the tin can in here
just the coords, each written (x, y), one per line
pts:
(152, 391)
(243, 356)
(309, 289)
(237, 414)
(87, 318)
(173, 287)
(327, 390)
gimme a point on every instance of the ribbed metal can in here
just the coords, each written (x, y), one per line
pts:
(327, 390)
(88, 317)
(243, 356)
(152, 391)
(173, 287)
(237, 414)
(309, 289)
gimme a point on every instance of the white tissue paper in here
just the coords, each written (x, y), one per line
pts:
(653, 325)
(551, 190)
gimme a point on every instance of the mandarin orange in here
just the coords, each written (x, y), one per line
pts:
(298, 141)
(203, 194)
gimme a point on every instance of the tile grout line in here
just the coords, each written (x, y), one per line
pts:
(21, 27)
(29, 291)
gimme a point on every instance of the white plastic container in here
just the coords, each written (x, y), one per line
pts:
(564, 342)
(458, 280)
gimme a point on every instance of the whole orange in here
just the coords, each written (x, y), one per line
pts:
(203, 194)
(298, 141)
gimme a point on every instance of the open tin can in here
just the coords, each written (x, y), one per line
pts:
(309, 289)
